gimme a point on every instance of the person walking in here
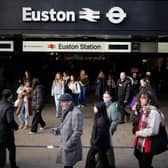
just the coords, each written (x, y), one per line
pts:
(112, 113)
(38, 102)
(101, 85)
(148, 125)
(24, 105)
(7, 127)
(100, 138)
(70, 131)
(57, 90)
(124, 91)
(84, 82)
(74, 86)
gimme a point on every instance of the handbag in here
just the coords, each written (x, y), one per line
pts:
(159, 143)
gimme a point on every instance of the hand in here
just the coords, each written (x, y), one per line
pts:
(125, 101)
(137, 133)
(54, 131)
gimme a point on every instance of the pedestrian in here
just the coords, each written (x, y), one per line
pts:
(111, 86)
(100, 138)
(24, 105)
(124, 92)
(7, 127)
(146, 86)
(148, 125)
(74, 87)
(84, 82)
(66, 80)
(57, 90)
(70, 131)
(38, 102)
(101, 85)
(112, 113)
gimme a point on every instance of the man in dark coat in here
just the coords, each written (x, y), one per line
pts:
(38, 101)
(7, 127)
(124, 92)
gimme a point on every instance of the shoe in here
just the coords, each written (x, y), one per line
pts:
(79, 106)
(58, 116)
(32, 133)
(21, 126)
(42, 128)
(16, 167)
(25, 127)
(128, 117)
(82, 106)
(121, 122)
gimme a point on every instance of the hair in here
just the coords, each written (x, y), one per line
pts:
(58, 80)
(107, 92)
(101, 107)
(149, 97)
(6, 93)
(35, 82)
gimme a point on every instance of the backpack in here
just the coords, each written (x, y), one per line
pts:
(115, 104)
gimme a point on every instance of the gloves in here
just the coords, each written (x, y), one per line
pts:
(54, 131)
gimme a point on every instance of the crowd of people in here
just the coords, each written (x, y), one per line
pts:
(114, 98)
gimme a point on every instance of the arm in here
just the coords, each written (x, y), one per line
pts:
(10, 118)
(127, 92)
(52, 89)
(113, 116)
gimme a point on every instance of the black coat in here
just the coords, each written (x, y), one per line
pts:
(7, 122)
(124, 90)
(101, 86)
(100, 134)
(38, 97)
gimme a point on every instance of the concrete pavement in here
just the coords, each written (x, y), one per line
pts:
(39, 151)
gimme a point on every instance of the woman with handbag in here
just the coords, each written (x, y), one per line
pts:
(148, 126)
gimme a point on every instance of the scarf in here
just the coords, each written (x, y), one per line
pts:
(65, 112)
(143, 144)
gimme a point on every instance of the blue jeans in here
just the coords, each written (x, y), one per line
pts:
(82, 96)
(57, 104)
(23, 117)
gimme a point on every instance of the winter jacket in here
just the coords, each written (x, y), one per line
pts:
(38, 97)
(7, 122)
(124, 90)
(70, 150)
(148, 126)
(100, 137)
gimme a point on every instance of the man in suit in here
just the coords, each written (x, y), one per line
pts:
(70, 130)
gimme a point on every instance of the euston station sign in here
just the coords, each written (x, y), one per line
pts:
(75, 46)
(115, 15)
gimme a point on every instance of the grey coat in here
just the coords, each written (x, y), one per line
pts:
(70, 150)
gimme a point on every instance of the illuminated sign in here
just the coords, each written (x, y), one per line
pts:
(6, 46)
(115, 15)
(75, 46)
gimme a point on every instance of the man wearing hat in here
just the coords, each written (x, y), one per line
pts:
(7, 127)
(70, 131)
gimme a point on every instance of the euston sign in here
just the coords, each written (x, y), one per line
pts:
(115, 15)
(75, 46)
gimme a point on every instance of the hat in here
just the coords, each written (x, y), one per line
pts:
(66, 97)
